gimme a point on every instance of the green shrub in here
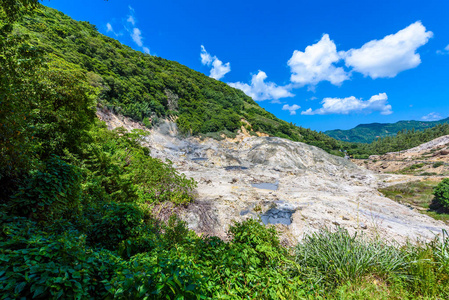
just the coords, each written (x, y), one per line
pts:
(437, 164)
(416, 166)
(441, 192)
(428, 174)
(147, 122)
(167, 275)
(258, 237)
(37, 265)
(49, 192)
(252, 265)
(117, 222)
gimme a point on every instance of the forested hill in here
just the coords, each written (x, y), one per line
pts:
(366, 133)
(147, 88)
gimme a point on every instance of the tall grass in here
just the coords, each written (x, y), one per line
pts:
(337, 256)
(353, 266)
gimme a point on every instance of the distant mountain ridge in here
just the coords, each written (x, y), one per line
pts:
(366, 133)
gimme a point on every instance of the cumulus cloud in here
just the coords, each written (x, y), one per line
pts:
(136, 35)
(433, 116)
(317, 63)
(292, 108)
(218, 70)
(392, 54)
(146, 50)
(260, 90)
(352, 105)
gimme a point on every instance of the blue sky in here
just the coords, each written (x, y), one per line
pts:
(319, 64)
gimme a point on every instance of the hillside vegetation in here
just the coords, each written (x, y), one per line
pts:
(147, 88)
(76, 199)
(403, 140)
(367, 133)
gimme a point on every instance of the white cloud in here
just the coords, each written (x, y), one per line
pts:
(109, 27)
(131, 20)
(445, 51)
(293, 108)
(133, 31)
(136, 35)
(206, 59)
(316, 64)
(352, 104)
(433, 116)
(260, 90)
(392, 54)
(218, 68)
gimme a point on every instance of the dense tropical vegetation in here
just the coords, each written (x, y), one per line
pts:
(366, 133)
(76, 198)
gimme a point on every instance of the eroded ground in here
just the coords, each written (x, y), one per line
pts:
(297, 187)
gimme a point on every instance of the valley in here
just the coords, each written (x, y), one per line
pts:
(125, 175)
(317, 189)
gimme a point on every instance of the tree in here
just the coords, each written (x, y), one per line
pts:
(14, 9)
(441, 193)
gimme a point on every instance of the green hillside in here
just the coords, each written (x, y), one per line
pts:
(148, 88)
(78, 201)
(366, 133)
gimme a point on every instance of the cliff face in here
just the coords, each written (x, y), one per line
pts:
(297, 187)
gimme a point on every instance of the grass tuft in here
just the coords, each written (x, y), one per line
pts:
(337, 256)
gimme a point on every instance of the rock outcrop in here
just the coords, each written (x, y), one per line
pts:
(431, 158)
(296, 187)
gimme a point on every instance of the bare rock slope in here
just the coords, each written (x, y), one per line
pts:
(431, 158)
(297, 187)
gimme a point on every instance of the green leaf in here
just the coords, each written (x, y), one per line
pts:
(19, 288)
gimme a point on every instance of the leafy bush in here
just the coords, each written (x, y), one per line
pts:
(117, 222)
(441, 192)
(264, 240)
(49, 192)
(118, 166)
(38, 265)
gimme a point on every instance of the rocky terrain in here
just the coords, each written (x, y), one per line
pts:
(297, 187)
(428, 159)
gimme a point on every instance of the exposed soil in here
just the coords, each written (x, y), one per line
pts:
(428, 159)
(313, 188)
